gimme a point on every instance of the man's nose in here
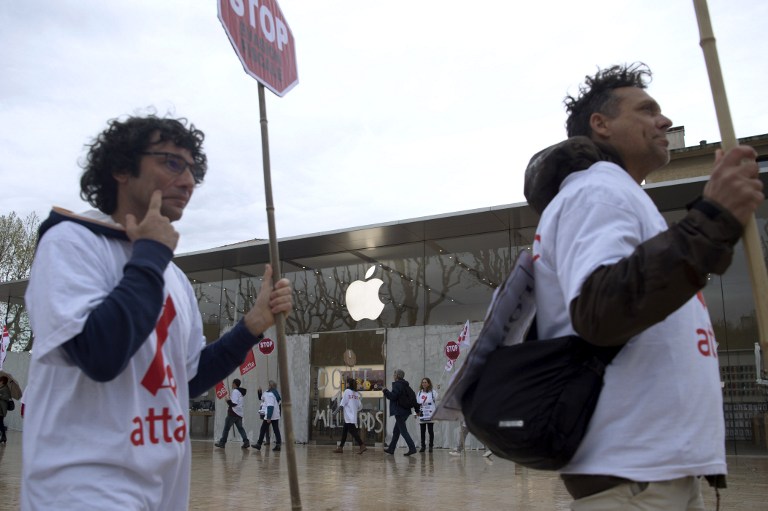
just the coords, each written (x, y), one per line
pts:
(665, 122)
(186, 179)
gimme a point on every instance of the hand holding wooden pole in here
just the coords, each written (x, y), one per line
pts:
(752, 244)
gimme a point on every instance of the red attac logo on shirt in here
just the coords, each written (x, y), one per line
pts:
(156, 375)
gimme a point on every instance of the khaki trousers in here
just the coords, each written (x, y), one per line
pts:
(682, 494)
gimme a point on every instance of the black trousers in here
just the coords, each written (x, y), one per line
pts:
(423, 426)
(265, 428)
(352, 428)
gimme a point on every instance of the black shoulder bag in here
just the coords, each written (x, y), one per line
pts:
(534, 400)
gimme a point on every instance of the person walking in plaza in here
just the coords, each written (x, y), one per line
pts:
(5, 397)
(460, 446)
(611, 270)
(234, 415)
(427, 400)
(119, 344)
(350, 404)
(400, 413)
(263, 414)
(272, 416)
(463, 433)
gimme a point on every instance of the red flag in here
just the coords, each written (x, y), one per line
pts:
(221, 390)
(250, 363)
(464, 339)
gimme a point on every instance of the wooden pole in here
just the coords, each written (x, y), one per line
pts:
(752, 244)
(282, 348)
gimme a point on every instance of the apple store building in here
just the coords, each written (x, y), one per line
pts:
(377, 298)
(372, 299)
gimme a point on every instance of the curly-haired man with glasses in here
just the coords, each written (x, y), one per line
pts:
(119, 346)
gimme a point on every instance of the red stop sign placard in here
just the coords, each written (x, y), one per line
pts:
(266, 346)
(262, 40)
(452, 350)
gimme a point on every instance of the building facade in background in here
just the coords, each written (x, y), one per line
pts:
(427, 277)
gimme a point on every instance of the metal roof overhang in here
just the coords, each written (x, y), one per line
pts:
(668, 196)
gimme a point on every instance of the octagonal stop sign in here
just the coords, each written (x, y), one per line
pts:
(452, 350)
(266, 345)
(262, 40)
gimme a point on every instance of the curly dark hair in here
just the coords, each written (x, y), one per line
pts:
(352, 384)
(596, 95)
(118, 148)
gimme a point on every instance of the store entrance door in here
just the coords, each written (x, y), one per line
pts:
(334, 356)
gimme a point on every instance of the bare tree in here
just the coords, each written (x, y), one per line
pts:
(18, 238)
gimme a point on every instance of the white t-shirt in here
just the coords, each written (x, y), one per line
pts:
(115, 445)
(237, 400)
(271, 400)
(660, 413)
(352, 404)
(427, 401)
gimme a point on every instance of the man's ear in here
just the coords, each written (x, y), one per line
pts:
(599, 124)
(121, 177)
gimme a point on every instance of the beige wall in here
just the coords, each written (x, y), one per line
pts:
(697, 161)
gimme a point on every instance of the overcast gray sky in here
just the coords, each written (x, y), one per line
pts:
(403, 109)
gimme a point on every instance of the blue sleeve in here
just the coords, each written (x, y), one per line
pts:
(220, 358)
(270, 409)
(120, 324)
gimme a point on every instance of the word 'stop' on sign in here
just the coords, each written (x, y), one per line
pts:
(452, 350)
(266, 346)
(262, 40)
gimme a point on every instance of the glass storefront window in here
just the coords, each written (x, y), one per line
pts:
(333, 358)
(461, 275)
(321, 284)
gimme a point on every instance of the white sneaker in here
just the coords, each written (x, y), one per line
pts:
(488, 453)
(454, 453)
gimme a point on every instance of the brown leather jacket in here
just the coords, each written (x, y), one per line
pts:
(621, 300)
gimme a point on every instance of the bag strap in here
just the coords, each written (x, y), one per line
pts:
(604, 354)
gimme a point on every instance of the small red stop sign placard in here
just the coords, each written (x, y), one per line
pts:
(266, 346)
(452, 350)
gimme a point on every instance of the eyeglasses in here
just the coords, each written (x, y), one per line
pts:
(178, 165)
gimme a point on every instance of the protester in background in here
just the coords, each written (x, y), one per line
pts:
(263, 414)
(272, 402)
(350, 404)
(401, 414)
(611, 270)
(427, 399)
(119, 345)
(463, 433)
(234, 415)
(5, 396)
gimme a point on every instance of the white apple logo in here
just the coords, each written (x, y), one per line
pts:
(363, 297)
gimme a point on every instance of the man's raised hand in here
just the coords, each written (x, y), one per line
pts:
(269, 302)
(154, 225)
(735, 183)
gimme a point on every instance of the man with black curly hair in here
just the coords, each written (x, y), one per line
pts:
(119, 346)
(609, 269)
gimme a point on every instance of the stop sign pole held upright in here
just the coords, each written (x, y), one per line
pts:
(264, 43)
